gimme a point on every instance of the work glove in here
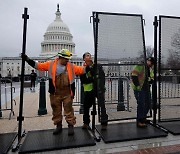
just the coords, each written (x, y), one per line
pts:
(26, 58)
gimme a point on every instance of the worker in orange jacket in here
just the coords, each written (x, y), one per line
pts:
(61, 75)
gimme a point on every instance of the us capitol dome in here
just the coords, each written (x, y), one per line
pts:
(57, 37)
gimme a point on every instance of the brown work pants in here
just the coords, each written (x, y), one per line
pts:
(62, 97)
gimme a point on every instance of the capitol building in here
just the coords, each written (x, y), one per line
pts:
(56, 37)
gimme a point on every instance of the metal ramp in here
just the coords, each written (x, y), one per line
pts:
(172, 127)
(6, 141)
(120, 132)
(44, 140)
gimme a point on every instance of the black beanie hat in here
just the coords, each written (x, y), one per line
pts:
(151, 59)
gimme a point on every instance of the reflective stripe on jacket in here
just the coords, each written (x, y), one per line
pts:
(88, 87)
(88, 78)
(50, 66)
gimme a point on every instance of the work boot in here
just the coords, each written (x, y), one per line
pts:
(141, 124)
(58, 129)
(70, 130)
(86, 126)
(146, 121)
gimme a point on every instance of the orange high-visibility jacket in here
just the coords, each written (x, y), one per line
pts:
(51, 65)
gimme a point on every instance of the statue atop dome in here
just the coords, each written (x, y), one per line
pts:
(58, 8)
(58, 13)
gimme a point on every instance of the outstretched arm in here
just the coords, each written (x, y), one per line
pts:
(44, 66)
(28, 60)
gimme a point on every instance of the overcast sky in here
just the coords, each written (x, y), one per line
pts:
(76, 14)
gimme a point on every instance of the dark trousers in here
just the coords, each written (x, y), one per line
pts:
(102, 109)
(32, 83)
(143, 103)
(89, 100)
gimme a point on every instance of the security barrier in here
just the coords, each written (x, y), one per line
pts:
(116, 94)
(6, 91)
(170, 86)
(112, 92)
(169, 68)
(119, 46)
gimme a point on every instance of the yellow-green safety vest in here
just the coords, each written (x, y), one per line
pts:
(139, 71)
(88, 86)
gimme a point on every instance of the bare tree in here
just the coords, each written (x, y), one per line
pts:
(173, 60)
(149, 53)
(175, 40)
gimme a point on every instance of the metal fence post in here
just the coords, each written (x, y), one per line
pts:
(81, 109)
(42, 98)
(120, 106)
(0, 100)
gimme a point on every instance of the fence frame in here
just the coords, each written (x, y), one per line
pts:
(5, 80)
(160, 70)
(95, 31)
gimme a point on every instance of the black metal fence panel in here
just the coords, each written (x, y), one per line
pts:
(169, 68)
(120, 38)
(119, 46)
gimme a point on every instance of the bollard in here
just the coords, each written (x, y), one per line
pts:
(0, 100)
(120, 106)
(42, 98)
(81, 109)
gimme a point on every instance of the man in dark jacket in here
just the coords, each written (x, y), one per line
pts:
(89, 95)
(87, 80)
(141, 80)
(33, 76)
